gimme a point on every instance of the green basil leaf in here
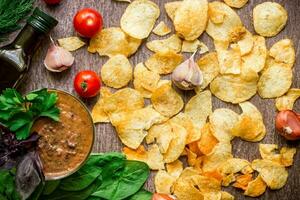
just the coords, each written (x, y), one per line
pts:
(141, 195)
(8, 190)
(50, 186)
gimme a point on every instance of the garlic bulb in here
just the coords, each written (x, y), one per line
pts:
(58, 59)
(187, 75)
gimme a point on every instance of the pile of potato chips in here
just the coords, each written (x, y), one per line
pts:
(163, 132)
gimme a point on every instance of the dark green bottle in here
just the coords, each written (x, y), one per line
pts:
(15, 58)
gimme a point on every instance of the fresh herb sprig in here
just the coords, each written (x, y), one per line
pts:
(18, 113)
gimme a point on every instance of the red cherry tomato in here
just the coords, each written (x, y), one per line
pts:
(87, 84)
(52, 2)
(157, 196)
(87, 22)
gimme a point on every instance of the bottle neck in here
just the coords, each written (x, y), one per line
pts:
(28, 39)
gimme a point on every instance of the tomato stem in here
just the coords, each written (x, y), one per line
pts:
(84, 86)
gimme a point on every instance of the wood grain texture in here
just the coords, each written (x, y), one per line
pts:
(107, 140)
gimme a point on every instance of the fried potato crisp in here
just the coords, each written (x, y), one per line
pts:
(164, 62)
(246, 43)
(226, 196)
(273, 174)
(236, 3)
(256, 187)
(207, 141)
(139, 18)
(191, 18)
(209, 66)
(250, 126)
(71, 43)
(287, 156)
(173, 43)
(234, 165)
(222, 121)
(242, 181)
(284, 52)
(145, 81)
(184, 189)
(199, 108)
(98, 114)
(171, 8)
(269, 18)
(256, 59)
(193, 46)
(152, 156)
(161, 29)
(166, 100)
(163, 182)
(113, 41)
(175, 168)
(116, 72)
(222, 21)
(275, 81)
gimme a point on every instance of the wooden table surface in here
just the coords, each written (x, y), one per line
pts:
(106, 139)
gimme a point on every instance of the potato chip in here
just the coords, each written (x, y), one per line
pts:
(227, 180)
(250, 126)
(287, 101)
(113, 41)
(235, 88)
(164, 62)
(171, 8)
(206, 183)
(152, 157)
(226, 196)
(256, 59)
(287, 156)
(269, 18)
(234, 165)
(213, 195)
(228, 18)
(199, 107)
(161, 29)
(184, 189)
(191, 157)
(163, 182)
(191, 18)
(71, 43)
(177, 144)
(273, 174)
(217, 157)
(275, 81)
(190, 46)
(208, 141)
(173, 43)
(116, 72)
(98, 114)
(222, 121)
(175, 168)
(284, 52)
(237, 33)
(236, 3)
(256, 187)
(139, 18)
(246, 43)
(166, 100)
(209, 66)
(242, 181)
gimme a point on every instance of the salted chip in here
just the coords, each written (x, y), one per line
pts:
(171, 8)
(164, 62)
(209, 66)
(227, 20)
(152, 156)
(71, 43)
(275, 81)
(234, 165)
(269, 18)
(256, 187)
(273, 174)
(236, 3)
(98, 114)
(173, 43)
(190, 46)
(163, 182)
(175, 168)
(145, 81)
(216, 195)
(116, 72)
(235, 88)
(139, 18)
(161, 29)
(166, 100)
(242, 181)
(246, 43)
(250, 126)
(284, 52)
(191, 157)
(207, 141)
(191, 18)
(185, 189)
(227, 180)
(199, 107)
(226, 196)
(222, 121)
(256, 59)
(287, 156)
(113, 41)
(220, 154)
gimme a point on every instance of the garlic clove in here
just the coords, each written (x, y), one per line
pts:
(58, 59)
(187, 75)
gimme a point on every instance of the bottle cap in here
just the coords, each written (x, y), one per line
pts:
(42, 21)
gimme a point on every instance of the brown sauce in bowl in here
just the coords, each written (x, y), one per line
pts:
(65, 145)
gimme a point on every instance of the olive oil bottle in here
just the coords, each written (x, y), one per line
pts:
(15, 57)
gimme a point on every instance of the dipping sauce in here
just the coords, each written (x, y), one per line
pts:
(65, 145)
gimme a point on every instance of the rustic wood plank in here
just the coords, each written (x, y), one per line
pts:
(106, 139)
